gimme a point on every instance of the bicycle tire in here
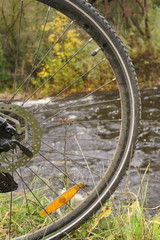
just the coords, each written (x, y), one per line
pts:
(100, 30)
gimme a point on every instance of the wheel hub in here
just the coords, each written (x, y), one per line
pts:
(22, 138)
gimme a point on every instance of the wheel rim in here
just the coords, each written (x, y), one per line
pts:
(77, 165)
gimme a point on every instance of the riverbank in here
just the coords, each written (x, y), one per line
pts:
(7, 95)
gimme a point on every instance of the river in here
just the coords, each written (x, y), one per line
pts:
(147, 154)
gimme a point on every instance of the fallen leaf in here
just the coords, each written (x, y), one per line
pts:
(105, 212)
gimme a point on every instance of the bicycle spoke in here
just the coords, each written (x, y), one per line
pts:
(70, 154)
(35, 58)
(53, 75)
(69, 128)
(55, 124)
(59, 169)
(36, 67)
(72, 160)
(34, 195)
(89, 169)
(78, 155)
(10, 214)
(26, 199)
(18, 44)
(55, 97)
(52, 190)
(82, 105)
(45, 183)
(89, 94)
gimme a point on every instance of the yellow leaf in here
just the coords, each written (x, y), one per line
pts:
(105, 212)
(134, 208)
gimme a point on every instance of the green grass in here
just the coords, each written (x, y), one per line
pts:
(130, 221)
(22, 211)
(126, 220)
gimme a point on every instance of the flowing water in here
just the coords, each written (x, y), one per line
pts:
(147, 151)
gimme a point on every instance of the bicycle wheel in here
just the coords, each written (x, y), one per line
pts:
(68, 149)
